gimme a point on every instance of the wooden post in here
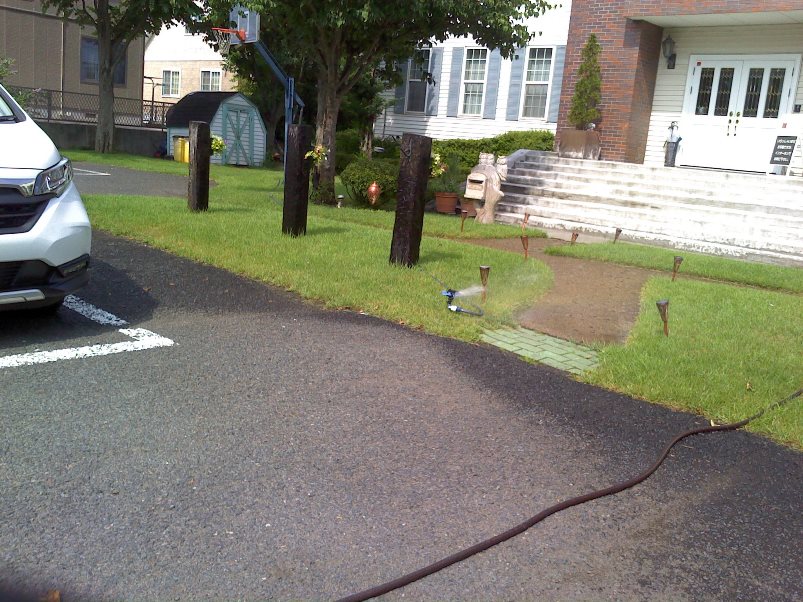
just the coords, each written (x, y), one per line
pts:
(200, 153)
(296, 180)
(413, 175)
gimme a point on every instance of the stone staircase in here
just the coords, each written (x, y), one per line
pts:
(741, 215)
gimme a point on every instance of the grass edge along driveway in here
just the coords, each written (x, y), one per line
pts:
(343, 263)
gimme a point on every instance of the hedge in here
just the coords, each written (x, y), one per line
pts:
(469, 150)
(361, 172)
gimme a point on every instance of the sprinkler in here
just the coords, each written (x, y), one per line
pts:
(525, 242)
(676, 267)
(663, 309)
(616, 235)
(463, 216)
(450, 295)
(574, 237)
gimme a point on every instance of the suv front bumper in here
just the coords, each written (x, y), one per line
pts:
(32, 284)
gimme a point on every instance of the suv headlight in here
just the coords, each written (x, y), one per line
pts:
(55, 179)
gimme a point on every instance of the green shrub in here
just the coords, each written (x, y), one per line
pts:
(504, 144)
(361, 172)
(347, 148)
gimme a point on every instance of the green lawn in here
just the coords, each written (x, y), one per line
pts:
(722, 336)
(694, 264)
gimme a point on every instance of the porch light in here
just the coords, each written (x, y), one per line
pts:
(668, 49)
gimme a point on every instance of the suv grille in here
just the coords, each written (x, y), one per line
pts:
(8, 271)
(19, 213)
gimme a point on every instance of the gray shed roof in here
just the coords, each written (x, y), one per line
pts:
(196, 106)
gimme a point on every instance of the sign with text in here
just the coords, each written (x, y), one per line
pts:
(783, 149)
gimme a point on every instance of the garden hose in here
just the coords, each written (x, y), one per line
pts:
(389, 586)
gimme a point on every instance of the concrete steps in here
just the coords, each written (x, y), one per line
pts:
(744, 215)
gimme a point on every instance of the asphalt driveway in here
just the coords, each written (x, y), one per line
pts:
(94, 178)
(279, 451)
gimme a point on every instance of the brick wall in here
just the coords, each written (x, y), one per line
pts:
(629, 61)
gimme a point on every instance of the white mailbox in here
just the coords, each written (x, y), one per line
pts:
(475, 186)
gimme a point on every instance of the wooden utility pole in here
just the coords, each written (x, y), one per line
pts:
(296, 180)
(413, 175)
(200, 153)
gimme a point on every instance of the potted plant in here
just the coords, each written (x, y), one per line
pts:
(582, 142)
(445, 183)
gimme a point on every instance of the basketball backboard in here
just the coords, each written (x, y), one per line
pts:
(245, 21)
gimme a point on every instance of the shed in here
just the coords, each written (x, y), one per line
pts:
(231, 116)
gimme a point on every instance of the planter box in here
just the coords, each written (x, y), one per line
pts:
(445, 202)
(579, 144)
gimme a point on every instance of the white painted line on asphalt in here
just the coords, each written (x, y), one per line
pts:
(88, 172)
(93, 313)
(143, 339)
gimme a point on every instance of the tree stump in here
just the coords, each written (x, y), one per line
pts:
(413, 175)
(200, 154)
(296, 181)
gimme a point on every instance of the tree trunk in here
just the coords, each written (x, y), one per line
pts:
(328, 106)
(104, 132)
(367, 138)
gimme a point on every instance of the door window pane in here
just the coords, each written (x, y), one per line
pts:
(753, 94)
(773, 103)
(724, 91)
(704, 91)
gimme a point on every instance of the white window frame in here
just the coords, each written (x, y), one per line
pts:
(464, 81)
(548, 83)
(171, 70)
(210, 71)
(410, 63)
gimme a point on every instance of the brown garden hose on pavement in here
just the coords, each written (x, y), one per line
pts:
(409, 578)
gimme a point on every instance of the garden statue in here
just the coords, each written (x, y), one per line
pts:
(485, 183)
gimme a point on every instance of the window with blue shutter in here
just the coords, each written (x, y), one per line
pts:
(436, 69)
(516, 77)
(492, 92)
(557, 84)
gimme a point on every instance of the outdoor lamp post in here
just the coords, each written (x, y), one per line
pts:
(668, 49)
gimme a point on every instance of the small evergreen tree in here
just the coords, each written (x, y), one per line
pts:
(587, 90)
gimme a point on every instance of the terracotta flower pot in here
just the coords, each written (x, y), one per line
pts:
(445, 202)
(468, 205)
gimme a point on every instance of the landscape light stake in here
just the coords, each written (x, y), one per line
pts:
(574, 237)
(484, 270)
(525, 242)
(616, 235)
(676, 267)
(663, 309)
(340, 199)
(463, 216)
(524, 221)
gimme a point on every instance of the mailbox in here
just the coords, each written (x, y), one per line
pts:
(475, 186)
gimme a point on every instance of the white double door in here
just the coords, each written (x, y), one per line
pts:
(733, 109)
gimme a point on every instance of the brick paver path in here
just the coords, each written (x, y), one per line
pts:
(544, 349)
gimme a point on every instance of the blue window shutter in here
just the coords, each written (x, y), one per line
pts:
(557, 84)
(492, 87)
(401, 91)
(455, 77)
(436, 68)
(516, 80)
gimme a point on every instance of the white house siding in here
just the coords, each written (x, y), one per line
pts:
(671, 83)
(176, 50)
(553, 27)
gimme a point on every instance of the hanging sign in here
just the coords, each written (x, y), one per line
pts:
(783, 150)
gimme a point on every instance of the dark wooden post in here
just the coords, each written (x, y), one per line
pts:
(296, 180)
(200, 153)
(413, 176)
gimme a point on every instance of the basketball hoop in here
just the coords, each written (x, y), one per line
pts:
(223, 38)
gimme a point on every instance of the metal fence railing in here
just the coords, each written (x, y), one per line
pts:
(55, 105)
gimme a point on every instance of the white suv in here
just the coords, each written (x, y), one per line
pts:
(45, 236)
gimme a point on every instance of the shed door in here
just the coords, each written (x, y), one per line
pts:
(733, 108)
(238, 125)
